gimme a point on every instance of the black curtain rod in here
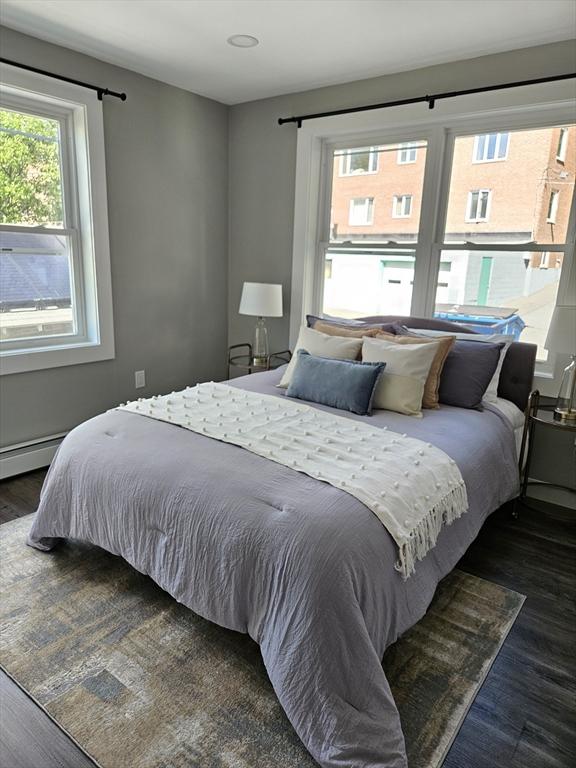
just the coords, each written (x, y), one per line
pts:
(100, 91)
(430, 100)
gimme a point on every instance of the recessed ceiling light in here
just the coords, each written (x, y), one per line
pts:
(243, 41)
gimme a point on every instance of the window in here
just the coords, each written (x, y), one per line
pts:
(358, 161)
(407, 153)
(478, 204)
(361, 211)
(562, 145)
(553, 206)
(402, 206)
(490, 147)
(55, 298)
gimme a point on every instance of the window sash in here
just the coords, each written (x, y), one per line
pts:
(361, 212)
(478, 205)
(347, 158)
(562, 145)
(402, 206)
(488, 147)
(553, 206)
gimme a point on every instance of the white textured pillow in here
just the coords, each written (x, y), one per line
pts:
(401, 386)
(323, 345)
(491, 394)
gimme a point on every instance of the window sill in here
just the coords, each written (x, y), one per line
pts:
(55, 357)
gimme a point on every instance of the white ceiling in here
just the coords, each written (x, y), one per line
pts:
(303, 43)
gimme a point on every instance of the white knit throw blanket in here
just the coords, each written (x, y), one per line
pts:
(411, 486)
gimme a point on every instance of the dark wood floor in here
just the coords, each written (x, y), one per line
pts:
(523, 717)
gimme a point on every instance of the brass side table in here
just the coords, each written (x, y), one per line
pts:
(245, 361)
(544, 415)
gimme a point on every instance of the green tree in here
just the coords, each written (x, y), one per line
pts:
(30, 183)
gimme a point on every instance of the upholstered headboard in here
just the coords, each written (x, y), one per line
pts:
(516, 378)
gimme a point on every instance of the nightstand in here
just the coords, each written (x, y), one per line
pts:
(243, 360)
(537, 414)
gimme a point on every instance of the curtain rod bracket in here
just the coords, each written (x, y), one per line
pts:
(431, 102)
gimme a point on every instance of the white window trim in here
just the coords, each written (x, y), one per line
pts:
(553, 202)
(368, 209)
(477, 161)
(478, 219)
(85, 112)
(562, 146)
(345, 160)
(400, 199)
(521, 108)
(406, 147)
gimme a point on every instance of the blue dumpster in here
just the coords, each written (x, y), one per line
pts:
(510, 324)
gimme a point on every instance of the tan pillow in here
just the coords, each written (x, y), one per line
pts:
(346, 331)
(430, 397)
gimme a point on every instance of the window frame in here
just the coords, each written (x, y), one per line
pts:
(85, 222)
(478, 219)
(540, 106)
(499, 134)
(400, 199)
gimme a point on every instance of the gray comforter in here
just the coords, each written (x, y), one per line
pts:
(304, 568)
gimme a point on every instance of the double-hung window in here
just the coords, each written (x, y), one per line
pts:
(407, 153)
(478, 205)
(445, 248)
(562, 147)
(358, 161)
(55, 298)
(402, 206)
(491, 147)
(361, 211)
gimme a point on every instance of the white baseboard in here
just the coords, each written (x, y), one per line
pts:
(17, 459)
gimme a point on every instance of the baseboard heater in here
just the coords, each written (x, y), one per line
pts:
(33, 454)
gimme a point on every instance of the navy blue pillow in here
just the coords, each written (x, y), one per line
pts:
(344, 384)
(467, 372)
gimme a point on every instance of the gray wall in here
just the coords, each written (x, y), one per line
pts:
(263, 160)
(167, 175)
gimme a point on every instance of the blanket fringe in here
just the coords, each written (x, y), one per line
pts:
(424, 536)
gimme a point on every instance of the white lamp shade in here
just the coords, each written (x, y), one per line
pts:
(562, 331)
(261, 300)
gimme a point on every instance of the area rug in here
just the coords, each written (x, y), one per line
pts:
(139, 681)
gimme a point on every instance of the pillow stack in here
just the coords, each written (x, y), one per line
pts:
(401, 370)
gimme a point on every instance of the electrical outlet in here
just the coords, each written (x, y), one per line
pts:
(139, 379)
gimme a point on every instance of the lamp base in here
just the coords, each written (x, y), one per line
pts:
(260, 351)
(568, 417)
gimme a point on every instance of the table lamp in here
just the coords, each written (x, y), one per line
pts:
(261, 300)
(561, 339)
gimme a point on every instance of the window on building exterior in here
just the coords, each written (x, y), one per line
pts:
(361, 211)
(49, 296)
(402, 206)
(553, 206)
(358, 161)
(562, 145)
(490, 147)
(407, 153)
(478, 205)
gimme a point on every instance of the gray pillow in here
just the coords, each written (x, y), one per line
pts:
(344, 384)
(467, 372)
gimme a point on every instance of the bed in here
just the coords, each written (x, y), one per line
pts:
(301, 566)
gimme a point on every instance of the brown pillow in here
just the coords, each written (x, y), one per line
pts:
(430, 397)
(346, 330)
